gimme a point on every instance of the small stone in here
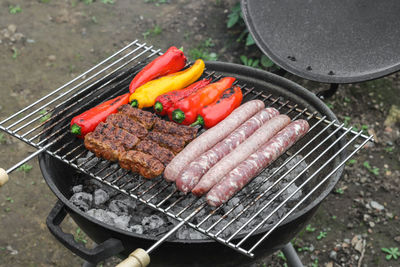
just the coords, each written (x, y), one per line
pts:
(346, 240)
(376, 205)
(397, 239)
(329, 264)
(333, 255)
(366, 217)
(52, 57)
(372, 224)
(12, 251)
(12, 28)
(30, 41)
(393, 117)
(350, 225)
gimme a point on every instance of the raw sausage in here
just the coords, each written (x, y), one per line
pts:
(244, 172)
(242, 152)
(192, 173)
(212, 136)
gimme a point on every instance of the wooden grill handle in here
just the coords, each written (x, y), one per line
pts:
(3, 177)
(138, 258)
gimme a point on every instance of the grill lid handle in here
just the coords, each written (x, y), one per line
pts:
(102, 251)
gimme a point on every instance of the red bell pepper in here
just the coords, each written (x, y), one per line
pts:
(87, 121)
(171, 61)
(165, 103)
(212, 114)
(187, 109)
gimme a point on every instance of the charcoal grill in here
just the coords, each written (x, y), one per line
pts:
(327, 146)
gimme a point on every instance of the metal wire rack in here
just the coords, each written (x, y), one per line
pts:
(44, 125)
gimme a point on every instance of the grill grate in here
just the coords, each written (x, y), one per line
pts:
(44, 125)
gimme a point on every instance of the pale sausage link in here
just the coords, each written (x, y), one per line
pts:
(239, 154)
(192, 173)
(248, 169)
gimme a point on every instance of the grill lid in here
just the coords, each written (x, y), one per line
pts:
(328, 41)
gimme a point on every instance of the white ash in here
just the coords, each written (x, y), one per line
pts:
(109, 206)
(100, 196)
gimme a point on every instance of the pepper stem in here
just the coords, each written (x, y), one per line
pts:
(178, 115)
(76, 129)
(199, 121)
(158, 107)
(134, 103)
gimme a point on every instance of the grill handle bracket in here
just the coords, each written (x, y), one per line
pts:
(102, 251)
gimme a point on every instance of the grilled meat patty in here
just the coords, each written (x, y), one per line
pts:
(117, 134)
(173, 143)
(184, 132)
(147, 119)
(161, 153)
(125, 122)
(103, 147)
(145, 164)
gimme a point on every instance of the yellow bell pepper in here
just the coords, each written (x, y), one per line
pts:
(145, 95)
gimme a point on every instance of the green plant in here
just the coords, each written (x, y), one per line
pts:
(389, 149)
(351, 162)
(321, 235)
(14, 9)
(209, 42)
(88, 2)
(346, 99)
(330, 105)
(94, 19)
(2, 138)
(250, 61)
(371, 169)
(25, 168)
(80, 236)
(111, 2)
(309, 228)
(155, 31)
(305, 248)
(281, 256)
(391, 253)
(346, 120)
(315, 263)
(334, 217)
(339, 191)
(9, 199)
(156, 2)
(236, 18)
(45, 1)
(15, 53)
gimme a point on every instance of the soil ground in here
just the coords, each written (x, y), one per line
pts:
(48, 42)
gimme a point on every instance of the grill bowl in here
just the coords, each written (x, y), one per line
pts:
(59, 177)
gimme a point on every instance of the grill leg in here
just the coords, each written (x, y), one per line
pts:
(291, 255)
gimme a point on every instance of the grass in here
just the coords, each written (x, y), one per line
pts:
(157, 2)
(2, 139)
(203, 51)
(157, 30)
(9, 199)
(109, 2)
(339, 191)
(25, 168)
(250, 61)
